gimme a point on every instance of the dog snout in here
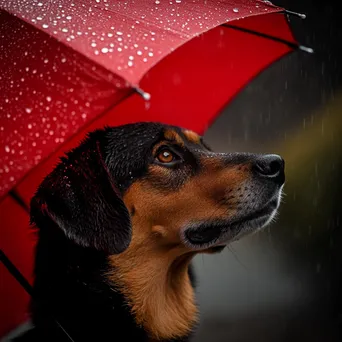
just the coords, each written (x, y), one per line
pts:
(270, 167)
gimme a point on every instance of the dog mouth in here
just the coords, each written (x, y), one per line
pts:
(219, 233)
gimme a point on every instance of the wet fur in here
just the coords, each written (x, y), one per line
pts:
(111, 264)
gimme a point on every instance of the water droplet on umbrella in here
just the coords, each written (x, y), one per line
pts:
(28, 110)
(39, 4)
(64, 29)
(48, 98)
(7, 149)
(93, 44)
(104, 50)
(45, 25)
(157, 2)
(29, 126)
(69, 17)
(235, 10)
(39, 18)
(119, 33)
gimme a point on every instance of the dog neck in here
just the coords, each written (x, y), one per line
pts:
(157, 287)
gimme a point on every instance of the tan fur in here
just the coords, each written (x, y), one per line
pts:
(192, 137)
(153, 272)
(173, 136)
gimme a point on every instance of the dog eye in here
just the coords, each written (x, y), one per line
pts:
(166, 156)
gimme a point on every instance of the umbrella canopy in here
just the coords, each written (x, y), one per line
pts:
(67, 67)
(64, 63)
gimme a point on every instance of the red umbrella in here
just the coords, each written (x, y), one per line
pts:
(68, 67)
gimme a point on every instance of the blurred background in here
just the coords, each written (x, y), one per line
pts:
(284, 284)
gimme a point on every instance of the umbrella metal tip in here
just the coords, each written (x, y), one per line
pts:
(146, 96)
(300, 15)
(306, 49)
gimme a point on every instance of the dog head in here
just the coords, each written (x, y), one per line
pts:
(158, 185)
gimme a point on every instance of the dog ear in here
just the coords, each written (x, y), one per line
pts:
(82, 199)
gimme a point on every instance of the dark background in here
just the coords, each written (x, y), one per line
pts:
(284, 284)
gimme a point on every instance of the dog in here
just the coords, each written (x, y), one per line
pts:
(119, 220)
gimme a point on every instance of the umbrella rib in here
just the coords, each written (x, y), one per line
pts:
(270, 4)
(16, 273)
(13, 270)
(267, 36)
(130, 91)
(14, 194)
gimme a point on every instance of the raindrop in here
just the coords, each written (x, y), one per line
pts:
(69, 17)
(130, 63)
(64, 29)
(45, 25)
(110, 34)
(63, 60)
(131, 58)
(104, 50)
(119, 33)
(28, 110)
(157, 2)
(93, 44)
(39, 4)
(46, 60)
(7, 149)
(39, 18)
(178, 1)
(139, 53)
(150, 54)
(235, 10)
(29, 126)
(48, 98)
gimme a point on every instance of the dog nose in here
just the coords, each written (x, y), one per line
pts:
(270, 166)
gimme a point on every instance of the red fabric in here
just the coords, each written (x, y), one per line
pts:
(55, 88)
(17, 241)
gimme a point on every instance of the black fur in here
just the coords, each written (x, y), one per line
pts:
(81, 219)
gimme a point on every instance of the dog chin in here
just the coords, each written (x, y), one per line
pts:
(215, 236)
